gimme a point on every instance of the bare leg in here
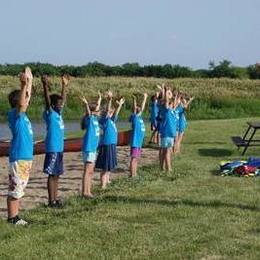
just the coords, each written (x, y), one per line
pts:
(168, 159)
(108, 177)
(87, 179)
(12, 207)
(56, 184)
(133, 167)
(180, 137)
(84, 180)
(51, 188)
(103, 179)
(161, 158)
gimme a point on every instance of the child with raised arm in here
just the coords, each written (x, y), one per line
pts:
(21, 149)
(154, 112)
(137, 135)
(168, 130)
(107, 156)
(54, 140)
(90, 124)
(181, 122)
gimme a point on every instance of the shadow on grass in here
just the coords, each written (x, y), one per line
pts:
(186, 202)
(215, 152)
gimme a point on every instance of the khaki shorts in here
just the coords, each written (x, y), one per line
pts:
(19, 172)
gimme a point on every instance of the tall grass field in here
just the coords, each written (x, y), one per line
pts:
(191, 213)
(215, 98)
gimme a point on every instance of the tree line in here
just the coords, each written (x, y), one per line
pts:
(223, 69)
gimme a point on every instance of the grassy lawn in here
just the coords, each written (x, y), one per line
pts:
(189, 214)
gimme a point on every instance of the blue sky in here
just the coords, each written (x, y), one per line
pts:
(185, 32)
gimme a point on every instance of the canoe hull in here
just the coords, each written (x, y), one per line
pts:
(70, 145)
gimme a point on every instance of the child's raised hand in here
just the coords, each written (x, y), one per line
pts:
(169, 93)
(84, 100)
(23, 78)
(65, 80)
(121, 101)
(159, 87)
(145, 95)
(99, 94)
(109, 94)
(28, 73)
(45, 80)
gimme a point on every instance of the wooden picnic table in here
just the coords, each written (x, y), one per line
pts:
(245, 141)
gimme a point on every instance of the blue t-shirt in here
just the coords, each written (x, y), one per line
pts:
(54, 140)
(169, 123)
(154, 111)
(138, 130)
(22, 136)
(91, 137)
(109, 130)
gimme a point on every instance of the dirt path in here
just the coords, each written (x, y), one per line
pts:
(70, 182)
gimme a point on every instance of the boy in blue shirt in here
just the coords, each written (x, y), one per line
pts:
(137, 135)
(54, 141)
(90, 124)
(21, 149)
(107, 156)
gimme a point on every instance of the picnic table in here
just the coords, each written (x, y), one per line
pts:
(248, 138)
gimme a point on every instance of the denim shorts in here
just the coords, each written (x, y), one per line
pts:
(89, 157)
(53, 164)
(167, 142)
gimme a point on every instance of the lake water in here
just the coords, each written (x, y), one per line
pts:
(39, 128)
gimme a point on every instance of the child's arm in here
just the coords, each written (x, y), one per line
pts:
(177, 100)
(84, 100)
(29, 77)
(187, 103)
(109, 102)
(64, 83)
(120, 103)
(99, 101)
(144, 102)
(134, 105)
(168, 94)
(46, 83)
(22, 103)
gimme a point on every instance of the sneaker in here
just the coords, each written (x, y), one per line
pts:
(55, 204)
(17, 221)
(52, 204)
(58, 204)
(88, 197)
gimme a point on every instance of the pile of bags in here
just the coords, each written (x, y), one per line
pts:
(248, 168)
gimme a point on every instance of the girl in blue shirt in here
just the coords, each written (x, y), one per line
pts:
(137, 135)
(182, 122)
(90, 124)
(168, 129)
(21, 148)
(54, 141)
(154, 113)
(107, 156)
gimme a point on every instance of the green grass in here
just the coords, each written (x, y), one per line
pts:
(215, 98)
(189, 214)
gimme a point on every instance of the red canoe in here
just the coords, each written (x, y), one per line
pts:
(70, 145)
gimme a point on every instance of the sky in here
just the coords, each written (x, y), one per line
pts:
(185, 32)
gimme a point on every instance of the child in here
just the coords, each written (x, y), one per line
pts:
(21, 149)
(90, 143)
(137, 136)
(167, 130)
(54, 141)
(181, 122)
(107, 156)
(154, 112)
